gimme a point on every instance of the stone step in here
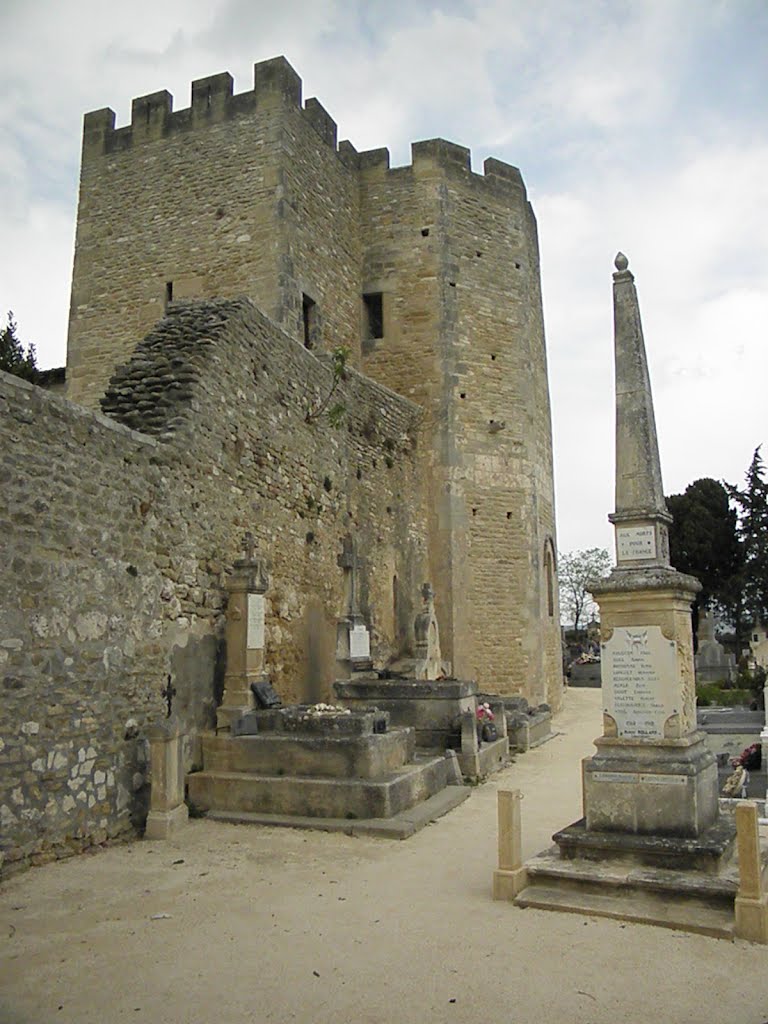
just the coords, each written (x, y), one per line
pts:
(317, 797)
(399, 826)
(294, 754)
(710, 852)
(590, 876)
(638, 907)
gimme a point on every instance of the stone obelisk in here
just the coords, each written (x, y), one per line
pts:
(653, 778)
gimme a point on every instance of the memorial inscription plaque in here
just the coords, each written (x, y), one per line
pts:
(359, 642)
(255, 634)
(649, 778)
(638, 670)
(635, 542)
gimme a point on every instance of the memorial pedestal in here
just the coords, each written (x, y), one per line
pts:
(664, 788)
(653, 773)
(651, 846)
(244, 639)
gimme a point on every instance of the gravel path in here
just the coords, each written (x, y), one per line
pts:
(281, 925)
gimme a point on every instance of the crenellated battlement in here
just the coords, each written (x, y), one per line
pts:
(214, 101)
(431, 155)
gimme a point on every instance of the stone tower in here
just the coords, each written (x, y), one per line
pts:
(428, 274)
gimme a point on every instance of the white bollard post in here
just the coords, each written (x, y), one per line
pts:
(510, 878)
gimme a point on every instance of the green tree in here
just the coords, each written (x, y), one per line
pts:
(575, 571)
(704, 542)
(753, 533)
(14, 358)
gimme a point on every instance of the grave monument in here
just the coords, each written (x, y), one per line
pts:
(244, 633)
(416, 692)
(319, 765)
(653, 773)
(651, 828)
(713, 663)
(353, 639)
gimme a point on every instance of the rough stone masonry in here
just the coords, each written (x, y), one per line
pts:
(245, 245)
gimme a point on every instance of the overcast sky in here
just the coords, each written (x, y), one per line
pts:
(638, 126)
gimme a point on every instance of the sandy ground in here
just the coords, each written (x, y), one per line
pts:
(280, 925)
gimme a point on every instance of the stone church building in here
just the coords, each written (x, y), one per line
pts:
(238, 274)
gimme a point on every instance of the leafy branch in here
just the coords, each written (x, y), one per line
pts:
(339, 357)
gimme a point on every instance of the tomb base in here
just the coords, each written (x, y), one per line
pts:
(435, 709)
(295, 765)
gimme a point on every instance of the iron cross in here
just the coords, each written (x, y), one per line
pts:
(168, 693)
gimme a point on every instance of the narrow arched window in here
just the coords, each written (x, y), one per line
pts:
(549, 572)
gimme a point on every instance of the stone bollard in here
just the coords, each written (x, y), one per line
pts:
(499, 718)
(750, 904)
(470, 744)
(167, 811)
(511, 877)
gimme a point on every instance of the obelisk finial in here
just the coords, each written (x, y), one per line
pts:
(641, 515)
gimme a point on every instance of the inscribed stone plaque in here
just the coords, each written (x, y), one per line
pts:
(645, 777)
(640, 685)
(635, 542)
(255, 635)
(359, 642)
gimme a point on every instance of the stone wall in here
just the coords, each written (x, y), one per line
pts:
(119, 530)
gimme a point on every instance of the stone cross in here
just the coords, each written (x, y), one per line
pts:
(350, 563)
(253, 564)
(249, 545)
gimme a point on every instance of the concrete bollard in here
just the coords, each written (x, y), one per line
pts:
(510, 878)
(750, 905)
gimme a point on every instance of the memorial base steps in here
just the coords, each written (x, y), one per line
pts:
(320, 797)
(691, 901)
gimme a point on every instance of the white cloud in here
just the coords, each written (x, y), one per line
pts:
(637, 125)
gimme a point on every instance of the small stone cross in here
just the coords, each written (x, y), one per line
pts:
(168, 693)
(249, 544)
(348, 557)
(350, 563)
